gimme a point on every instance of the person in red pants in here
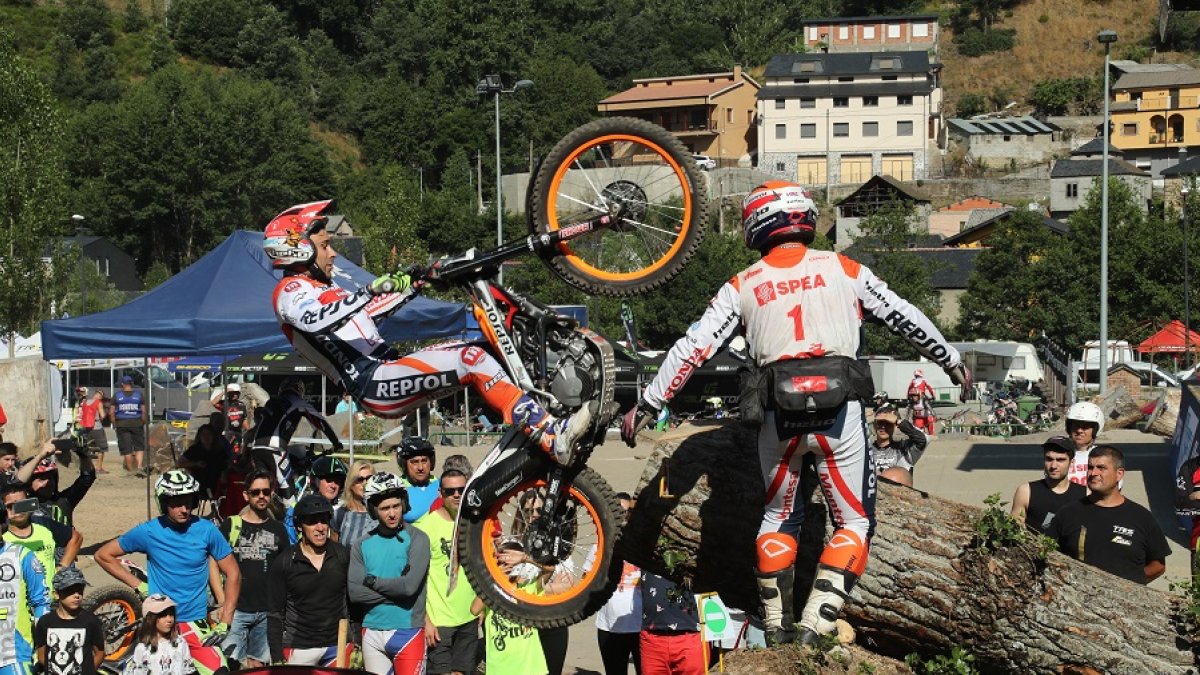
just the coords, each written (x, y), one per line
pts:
(670, 642)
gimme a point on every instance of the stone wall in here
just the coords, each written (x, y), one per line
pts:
(25, 395)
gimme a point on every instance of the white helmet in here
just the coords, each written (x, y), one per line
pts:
(175, 483)
(1088, 412)
(233, 388)
(383, 485)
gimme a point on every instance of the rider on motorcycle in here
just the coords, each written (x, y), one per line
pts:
(801, 310)
(276, 425)
(335, 329)
(178, 545)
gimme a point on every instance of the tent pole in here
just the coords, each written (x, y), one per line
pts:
(146, 428)
(351, 431)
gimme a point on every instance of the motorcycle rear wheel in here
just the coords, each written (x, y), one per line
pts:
(581, 582)
(119, 610)
(645, 170)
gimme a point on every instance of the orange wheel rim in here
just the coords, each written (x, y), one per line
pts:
(499, 577)
(128, 618)
(552, 206)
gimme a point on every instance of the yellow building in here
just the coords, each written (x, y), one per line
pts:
(712, 114)
(1155, 115)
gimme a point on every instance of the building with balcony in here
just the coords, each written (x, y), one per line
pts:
(1154, 114)
(712, 114)
(828, 119)
(918, 32)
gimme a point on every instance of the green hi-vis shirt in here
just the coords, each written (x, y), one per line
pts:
(511, 649)
(41, 544)
(446, 610)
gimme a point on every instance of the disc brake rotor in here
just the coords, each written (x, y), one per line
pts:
(626, 200)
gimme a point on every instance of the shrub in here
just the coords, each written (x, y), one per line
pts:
(1045, 18)
(975, 42)
(970, 104)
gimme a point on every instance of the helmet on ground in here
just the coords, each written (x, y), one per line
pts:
(384, 485)
(415, 446)
(45, 466)
(328, 466)
(1087, 412)
(312, 505)
(176, 483)
(778, 211)
(292, 384)
(286, 239)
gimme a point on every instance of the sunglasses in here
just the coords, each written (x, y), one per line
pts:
(315, 520)
(451, 491)
(260, 492)
(361, 479)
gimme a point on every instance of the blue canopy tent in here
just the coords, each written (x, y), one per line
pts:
(221, 305)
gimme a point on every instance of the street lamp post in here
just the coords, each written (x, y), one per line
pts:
(1185, 192)
(492, 84)
(78, 220)
(1105, 37)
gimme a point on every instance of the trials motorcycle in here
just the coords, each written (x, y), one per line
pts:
(617, 208)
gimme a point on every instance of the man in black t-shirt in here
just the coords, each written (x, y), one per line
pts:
(1108, 531)
(69, 640)
(256, 538)
(1035, 503)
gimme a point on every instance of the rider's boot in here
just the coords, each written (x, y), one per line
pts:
(556, 435)
(831, 588)
(775, 591)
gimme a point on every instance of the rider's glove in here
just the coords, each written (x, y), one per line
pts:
(221, 628)
(961, 375)
(390, 283)
(637, 418)
(143, 589)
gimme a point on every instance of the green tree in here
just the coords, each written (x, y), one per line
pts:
(1007, 296)
(100, 75)
(188, 156)
(969, 104)
(32, 206)
(158, 273)
(88, 291)
(134, 19)
(85, 21)
(209, 29)
(884, 247)
(1067, 95)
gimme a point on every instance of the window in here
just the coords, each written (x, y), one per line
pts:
(1129, 129)
(780, 131)
(729, 116)
(808, 102)
(870, 129)
(870, 101)
(890, 78)
(841, 101)
(808, 131)
(904, 100)
(1072, 190)
(1007, 138)
(780, 104)
(813, 33)
(1018, 362)
(779, 167)
(904, 128)
(893, 30)
(808, 66)
(843, 32)
(846, 78)
(920, 30)
(841, 129)
(868, 32)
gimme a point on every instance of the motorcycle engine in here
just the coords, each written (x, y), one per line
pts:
(576, 374)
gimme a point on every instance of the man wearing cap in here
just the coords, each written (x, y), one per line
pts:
(69, 640)
(895, 459)
(128, 416)
(306, 590)
(1036, 502)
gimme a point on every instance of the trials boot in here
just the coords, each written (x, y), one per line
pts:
(559, 436)
(778, 600)
(831, 588)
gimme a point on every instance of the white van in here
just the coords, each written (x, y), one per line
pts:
(999, 361)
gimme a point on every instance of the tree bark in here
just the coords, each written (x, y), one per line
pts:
(925, 589)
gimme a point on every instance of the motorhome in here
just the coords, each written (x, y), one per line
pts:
(999, 361)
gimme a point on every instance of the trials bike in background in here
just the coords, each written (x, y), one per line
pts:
(617, 208)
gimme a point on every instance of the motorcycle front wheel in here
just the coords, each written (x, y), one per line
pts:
(546, 593)
(119, 610)
(644, 175)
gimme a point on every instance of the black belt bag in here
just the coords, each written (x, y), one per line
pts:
(805, 394)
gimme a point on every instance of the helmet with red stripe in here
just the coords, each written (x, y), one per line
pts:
(286, 240)
(778, 211)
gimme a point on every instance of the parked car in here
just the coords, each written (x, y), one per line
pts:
(705, 162)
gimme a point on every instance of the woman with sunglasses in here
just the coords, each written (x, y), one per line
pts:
(351, 521)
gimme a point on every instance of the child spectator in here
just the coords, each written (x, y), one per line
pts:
(69, 640)
(619, 621)
(512, 649)
(160, 649)
(670, 641)
(8, 463)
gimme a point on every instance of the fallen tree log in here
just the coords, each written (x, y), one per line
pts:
(925, 589)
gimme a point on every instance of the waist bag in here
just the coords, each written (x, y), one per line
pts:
(805, 394)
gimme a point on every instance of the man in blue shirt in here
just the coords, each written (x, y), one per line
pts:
(128, 416)
(387, 576)
(415, 457)
(178, 545)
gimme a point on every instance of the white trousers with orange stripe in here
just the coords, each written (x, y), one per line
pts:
(397, 387)
(847, 477)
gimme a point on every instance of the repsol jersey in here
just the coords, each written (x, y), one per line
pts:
(796, 303)
(334, 329)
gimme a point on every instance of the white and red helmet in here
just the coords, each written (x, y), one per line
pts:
(286, 239)
(778, 211)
